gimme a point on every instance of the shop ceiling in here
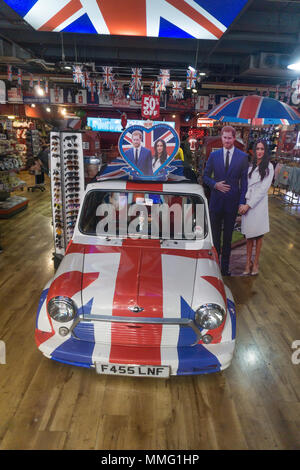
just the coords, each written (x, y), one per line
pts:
(255, 49)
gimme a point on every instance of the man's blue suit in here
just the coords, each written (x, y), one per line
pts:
(223, 207)
(144, 161)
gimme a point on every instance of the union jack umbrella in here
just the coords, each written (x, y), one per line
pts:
(256, 110)
(31, 80)
(191, 76)
(177, 91)
(155, 88)
(77, 74)
(108, 78)
(136, 79)
(9, 73)
(164, 79)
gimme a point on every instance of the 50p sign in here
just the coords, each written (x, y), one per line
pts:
(150, 106)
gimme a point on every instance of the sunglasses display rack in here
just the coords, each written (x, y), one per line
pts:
(67, 185)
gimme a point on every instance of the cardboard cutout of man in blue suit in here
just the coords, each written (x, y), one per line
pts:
(229, 168)
(139, 155)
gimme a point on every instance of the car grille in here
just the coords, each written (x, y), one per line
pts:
(136, 334)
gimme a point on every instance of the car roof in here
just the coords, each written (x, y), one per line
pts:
(178, 187)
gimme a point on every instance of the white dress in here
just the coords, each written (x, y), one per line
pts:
(256, 220)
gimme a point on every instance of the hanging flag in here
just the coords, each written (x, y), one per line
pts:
(136, 79)
(31, 80)
(155, 88)
(39, 83)
(100, 88)
(164, 79)
(87, 81)
(177, 91)
(136, 95)
(191, 76)
(77, 74)
(9, 73)
(108, 78)
(19, 77)
(46, 87)
(92, 89)
(118, 90)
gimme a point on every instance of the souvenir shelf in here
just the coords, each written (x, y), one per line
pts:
(10, 164)
(67, 186)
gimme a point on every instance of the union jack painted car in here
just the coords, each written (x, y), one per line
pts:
(139, 305)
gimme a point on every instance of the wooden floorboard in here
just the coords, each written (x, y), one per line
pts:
(254, 404)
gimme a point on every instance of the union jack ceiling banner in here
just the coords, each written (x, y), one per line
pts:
(202, 19)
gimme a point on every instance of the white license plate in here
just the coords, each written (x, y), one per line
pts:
(138, 371)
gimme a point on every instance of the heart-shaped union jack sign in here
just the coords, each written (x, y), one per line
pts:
(148, 152)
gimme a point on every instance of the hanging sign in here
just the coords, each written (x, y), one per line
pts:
(150, 106)
(2, 92)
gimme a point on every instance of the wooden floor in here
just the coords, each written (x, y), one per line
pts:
(254, 404)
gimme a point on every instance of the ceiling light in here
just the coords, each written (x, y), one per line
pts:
(202, 74)
(11, 117)
(68, 67)
(174, 116)
(48, 110)
(194, 90)
(40, 91)
(32, 105)
(295, 66)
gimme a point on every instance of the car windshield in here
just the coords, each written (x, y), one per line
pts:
(143, 215)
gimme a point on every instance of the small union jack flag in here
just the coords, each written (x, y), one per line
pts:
(31, 80)
(100, 88)
(155, 88)
(164, 79)
(177, 91)
(77, 74)
(108, 78)
(9, 73)
(191, 76)
(136, 79)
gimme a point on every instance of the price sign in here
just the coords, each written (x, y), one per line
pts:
(150, 106)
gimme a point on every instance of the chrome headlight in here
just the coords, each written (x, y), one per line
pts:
(209, 316)
(62, 309)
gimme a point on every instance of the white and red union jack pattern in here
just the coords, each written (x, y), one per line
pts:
(202, 19)
(164, 79)
(149, 139)
(168, 282)
(191, 76)
(108, 78)
(155, 88)
(77, 74)
(136, 80)
(177, 91)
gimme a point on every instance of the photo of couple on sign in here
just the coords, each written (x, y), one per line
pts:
(148, 151)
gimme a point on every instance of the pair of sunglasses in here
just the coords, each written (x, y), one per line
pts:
(72, 167)
(70, 151)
